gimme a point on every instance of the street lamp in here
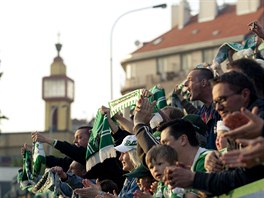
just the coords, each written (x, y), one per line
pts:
(111, 39)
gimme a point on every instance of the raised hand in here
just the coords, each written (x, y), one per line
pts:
(257, 28)
(24, 148)
(178, 176)
(143, 111)
(59, 171)
(250, 155)
(38, 137)
(251, 129)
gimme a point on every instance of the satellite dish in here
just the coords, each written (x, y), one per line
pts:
(137, 43)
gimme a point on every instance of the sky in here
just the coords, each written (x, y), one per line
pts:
(29, 30)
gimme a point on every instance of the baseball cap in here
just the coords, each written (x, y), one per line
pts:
(139, 172)
(128, 143)
(197, 122)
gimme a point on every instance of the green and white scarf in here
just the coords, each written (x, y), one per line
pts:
(127, 100)
(242, 49)
(39, 159)
(49, 182)
(27, 164)
(100, 145)
(25, 177)
(159, 96)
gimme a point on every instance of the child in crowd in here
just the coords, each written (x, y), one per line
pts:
(157, 159)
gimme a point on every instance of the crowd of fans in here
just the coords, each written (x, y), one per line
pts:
(164, 150)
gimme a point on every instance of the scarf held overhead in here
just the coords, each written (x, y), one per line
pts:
(128, 100)
(100, 145)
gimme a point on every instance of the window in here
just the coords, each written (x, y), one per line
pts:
(161, 67)
(54, 88)
(130, 72)
(208, 55)
(186, 62)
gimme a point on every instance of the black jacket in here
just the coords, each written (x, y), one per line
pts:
(109, 169)
(223, 182)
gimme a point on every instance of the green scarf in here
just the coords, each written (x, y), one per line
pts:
(49, 182)
(100, 145)
(27, 164)
(159, 96)
(39, 159)
(24, 176)
(127, 100)
(222, 54)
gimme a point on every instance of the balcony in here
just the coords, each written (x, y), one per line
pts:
(149, 80)
(132, 84)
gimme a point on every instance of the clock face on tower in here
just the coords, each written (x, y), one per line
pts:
(57, 88)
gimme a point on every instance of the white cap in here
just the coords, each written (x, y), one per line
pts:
(221, 126)
(128, 143)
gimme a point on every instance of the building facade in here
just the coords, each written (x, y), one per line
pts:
(192, 40)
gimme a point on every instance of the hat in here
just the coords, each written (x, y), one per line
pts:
(220, 126)
(139, 172)
(197, 122)
(128, 143)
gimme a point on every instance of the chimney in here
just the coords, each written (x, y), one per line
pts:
(180, 14)
(174, 16)
(208, 10)
(247, 6)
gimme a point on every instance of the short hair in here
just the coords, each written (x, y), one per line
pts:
(253, 70)
(161, 151)
(179, 127)
(87, 128)
(107, 185)
(204, 73)
(172, 112)
(237, 81)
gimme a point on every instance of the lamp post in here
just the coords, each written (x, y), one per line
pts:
(111, 39)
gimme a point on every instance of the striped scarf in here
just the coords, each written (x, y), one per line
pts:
(159, 96)
(39, 159)
(100, 145)
(24, 176)
(128, 100)
(244, 50)
(49, 182)
(32, 169)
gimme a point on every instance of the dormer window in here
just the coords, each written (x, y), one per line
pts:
(216, 32)
(157, 41)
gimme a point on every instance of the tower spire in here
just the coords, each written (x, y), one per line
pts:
(58, 45)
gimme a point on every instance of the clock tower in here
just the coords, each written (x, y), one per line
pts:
(58, 94)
